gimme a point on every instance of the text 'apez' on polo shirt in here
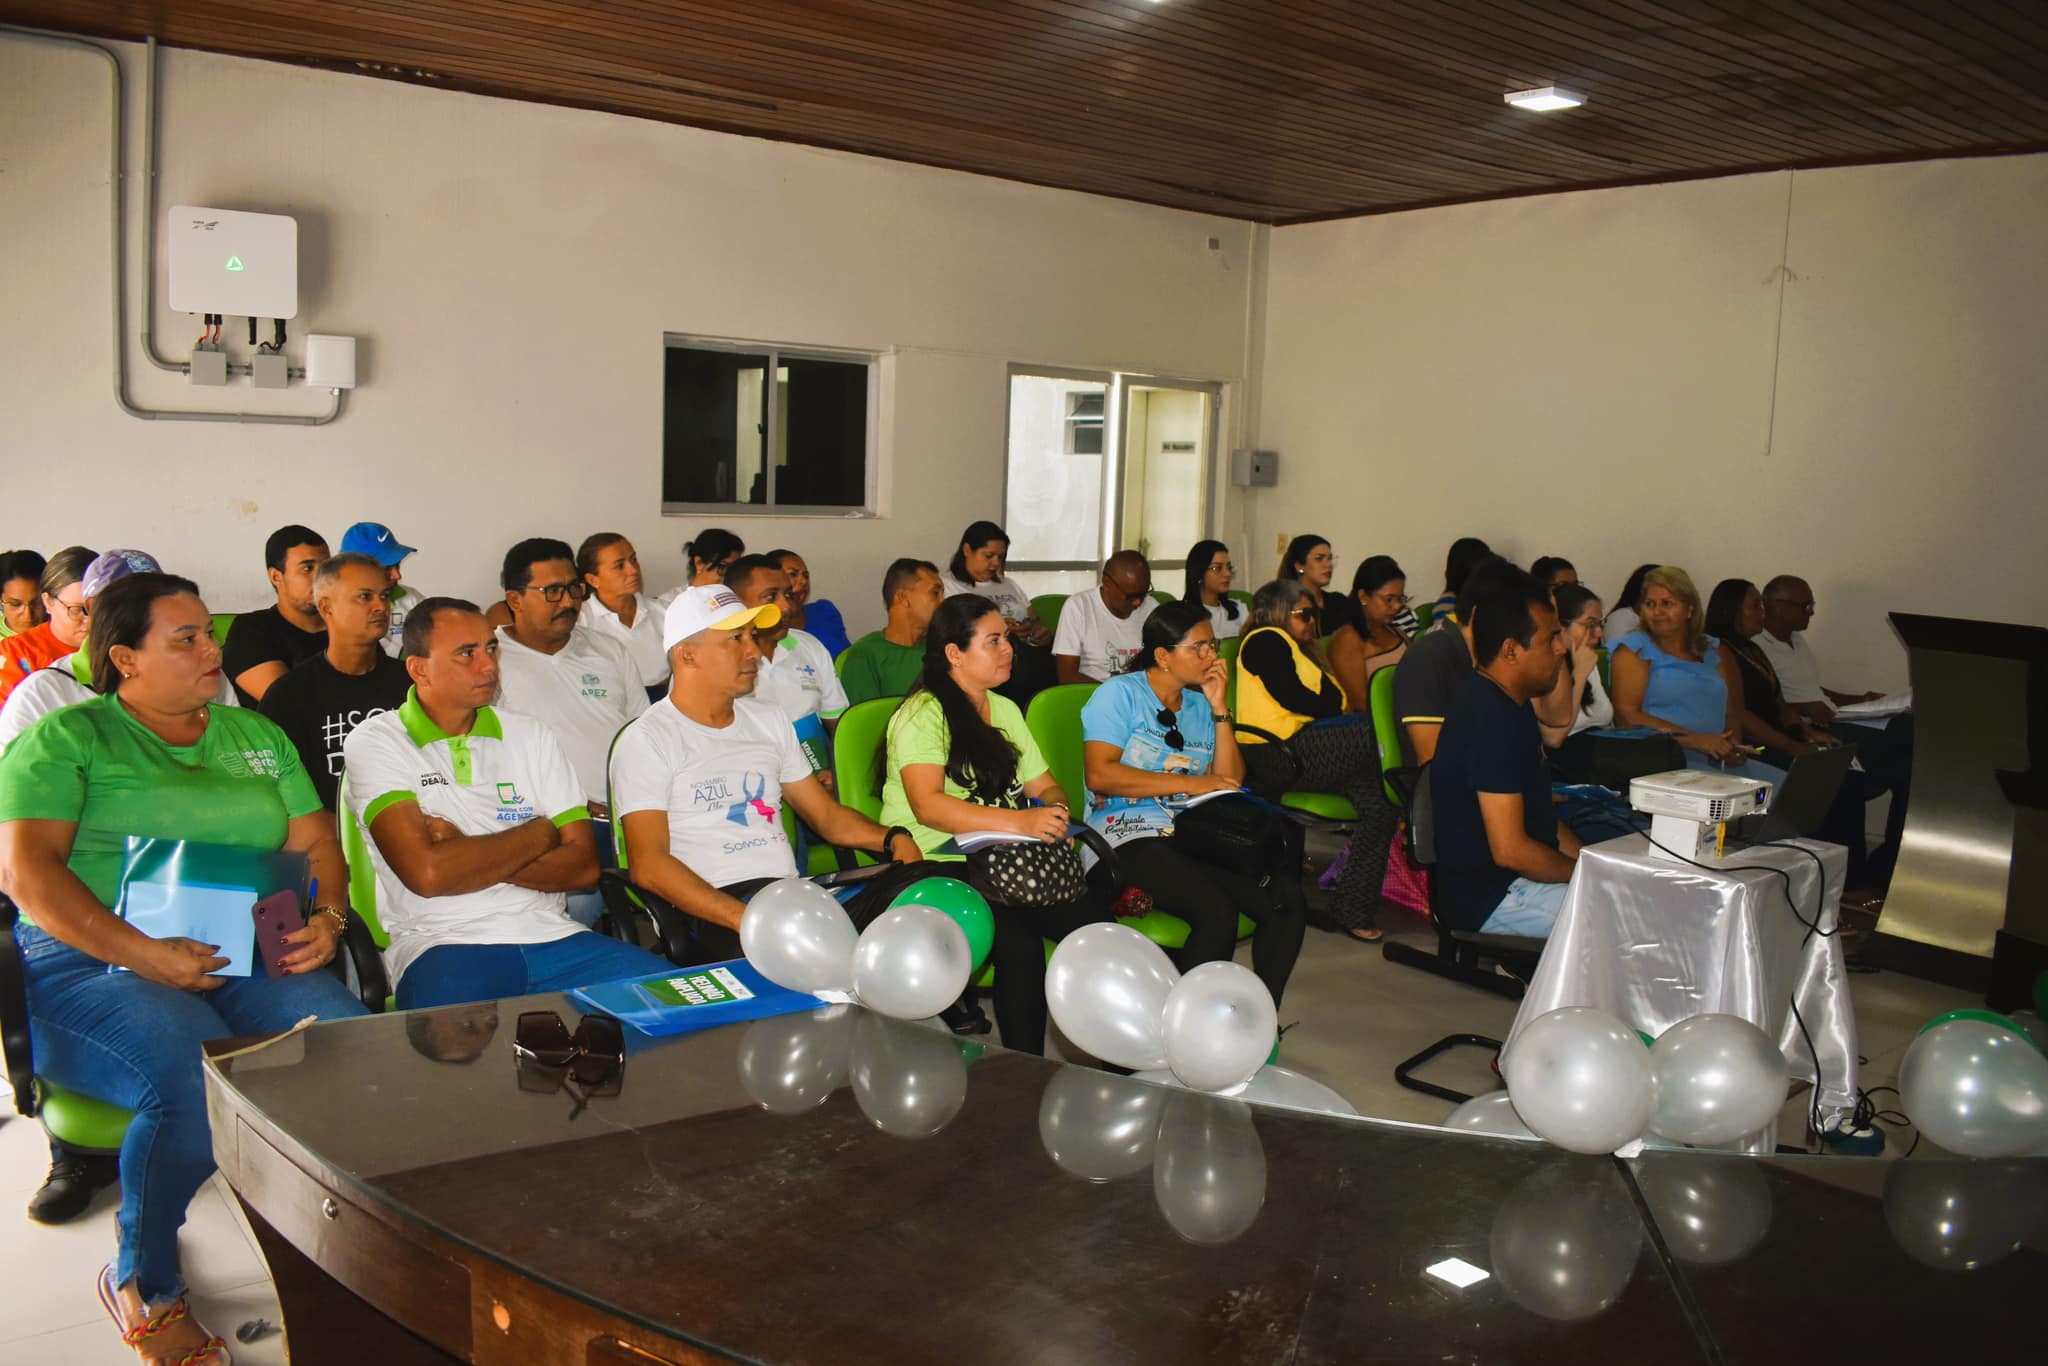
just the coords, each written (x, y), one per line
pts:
(506, 771)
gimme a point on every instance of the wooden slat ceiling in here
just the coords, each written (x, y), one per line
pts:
(1273, 110)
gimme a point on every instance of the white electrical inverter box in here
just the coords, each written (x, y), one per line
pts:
(242, 265)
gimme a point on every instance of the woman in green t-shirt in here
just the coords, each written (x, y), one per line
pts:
(958, 759)
(150, 756)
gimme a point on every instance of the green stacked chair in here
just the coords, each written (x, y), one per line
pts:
(1046, 607)
(858, 739)
(1226, 650)
(366, 939)
(1055, 723)
(1241, 596)
(1162, 597)
(71, 1117)
(221, 622)
(1606, 681)
(1422, 615)
(1387, 731)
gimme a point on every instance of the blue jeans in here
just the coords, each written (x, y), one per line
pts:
(450, 974)
(135, 1043)
(1528, 908)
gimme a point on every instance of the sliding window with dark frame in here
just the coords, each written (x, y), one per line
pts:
(767, 429)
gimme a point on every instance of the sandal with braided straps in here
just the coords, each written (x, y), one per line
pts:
(212, 1352)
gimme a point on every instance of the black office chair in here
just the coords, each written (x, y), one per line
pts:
(1465, 956)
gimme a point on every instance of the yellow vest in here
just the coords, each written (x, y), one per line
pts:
(1256, 707)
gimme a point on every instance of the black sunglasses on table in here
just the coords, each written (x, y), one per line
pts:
(594, 1057)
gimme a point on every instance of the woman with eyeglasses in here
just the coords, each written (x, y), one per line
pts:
(958, 759)
(1209, 573)
(153, 756)
(1361, 648)
(711, 554)
(62, 590)
(1295, 735)
(610, 569)
(1154, 737)
(1309, 562)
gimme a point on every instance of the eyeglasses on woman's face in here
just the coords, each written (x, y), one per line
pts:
(1205, 648)
(1305, 612)
(1393, 599)
(1222, 567)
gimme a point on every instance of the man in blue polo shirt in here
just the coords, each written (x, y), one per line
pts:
(1502, 858)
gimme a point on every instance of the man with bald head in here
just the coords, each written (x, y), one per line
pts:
(1101, 632)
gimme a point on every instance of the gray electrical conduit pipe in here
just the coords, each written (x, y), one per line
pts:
(117, 175)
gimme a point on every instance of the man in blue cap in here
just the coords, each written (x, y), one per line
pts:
(375, 540)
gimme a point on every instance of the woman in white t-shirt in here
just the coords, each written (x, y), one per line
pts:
(977, 567)
(1209, 572)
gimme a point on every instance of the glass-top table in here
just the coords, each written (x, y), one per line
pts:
(839, 1187)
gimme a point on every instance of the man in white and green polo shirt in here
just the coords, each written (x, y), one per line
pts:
(477, 829)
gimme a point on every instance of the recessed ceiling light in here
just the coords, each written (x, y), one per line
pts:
(1544, 99)
(1457, 1271)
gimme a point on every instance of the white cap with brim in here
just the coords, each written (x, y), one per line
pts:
(712, 607)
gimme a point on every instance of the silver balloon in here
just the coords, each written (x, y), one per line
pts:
(1976, 1089)
(1581, 1079)
(1219, 1026)
(1712, 1210)
(1565, 1241)
(1958, 1216)
(1097, 1125)
(1209, 1168)
(792, 1063)
(2033, 1026)
(911, 962)
(908, 1079)
(1719, 1078)
(797, 935)
(1107, 987)
(1492, 1113)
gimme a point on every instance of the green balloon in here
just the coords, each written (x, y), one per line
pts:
(1648, 1042)
(962, 904)
(1970, 1013)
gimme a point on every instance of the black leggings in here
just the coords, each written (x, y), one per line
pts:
(1341, 757)
(1019, 959)
(1210, 900)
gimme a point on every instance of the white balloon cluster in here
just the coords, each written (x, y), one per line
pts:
(1114, 993)
(910, 963)
(910, 1080)
(1977, 1087)
(1208, 1166)
(1584, 1081)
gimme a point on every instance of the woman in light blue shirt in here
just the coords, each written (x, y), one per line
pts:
(1673, 677)
(1155, 737)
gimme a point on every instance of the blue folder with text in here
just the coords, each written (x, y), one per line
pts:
(688, 999)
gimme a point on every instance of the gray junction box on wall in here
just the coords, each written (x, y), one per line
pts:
(1254, 469)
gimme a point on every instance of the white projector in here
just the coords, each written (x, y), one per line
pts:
(241, 265)
(1689, 808)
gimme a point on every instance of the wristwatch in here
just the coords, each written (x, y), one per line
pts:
(889, 838)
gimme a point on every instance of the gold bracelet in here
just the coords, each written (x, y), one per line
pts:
(340, 918)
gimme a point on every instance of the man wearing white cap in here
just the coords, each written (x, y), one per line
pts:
(698, 781)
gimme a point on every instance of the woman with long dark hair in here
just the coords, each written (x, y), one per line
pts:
(1622, 618)
(959, 759)
(1309, 563)
(1154, 737)
(1362, 647)
(979, 566)
(1209, 572)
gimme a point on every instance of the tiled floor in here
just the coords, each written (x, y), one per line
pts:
(1358, 1016)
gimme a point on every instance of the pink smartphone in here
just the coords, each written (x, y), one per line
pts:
(277, 915)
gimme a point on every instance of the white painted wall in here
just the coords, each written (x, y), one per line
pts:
(1603, 375)
(510, 270)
